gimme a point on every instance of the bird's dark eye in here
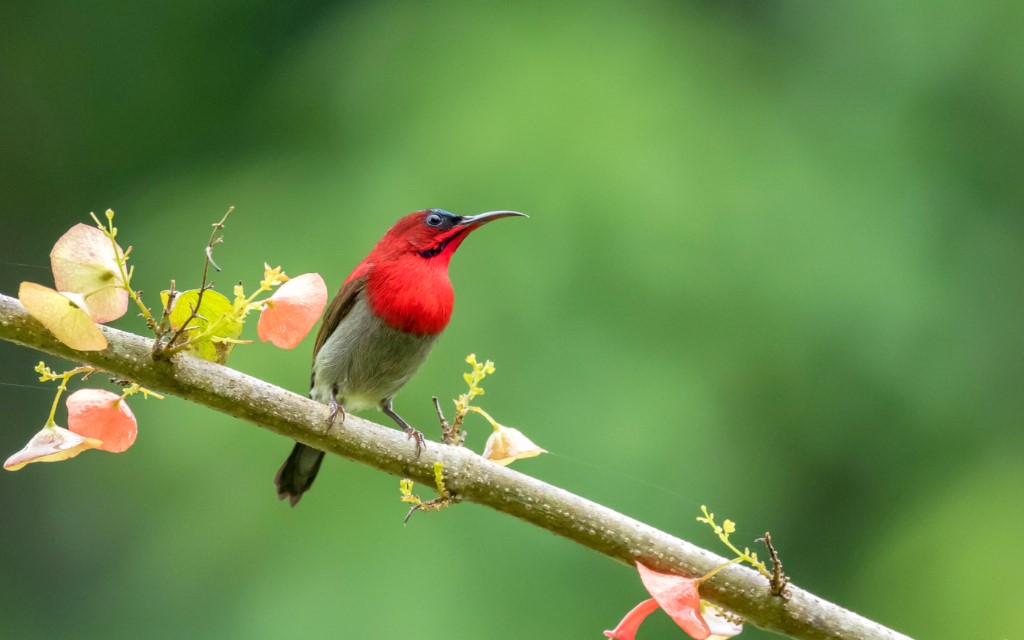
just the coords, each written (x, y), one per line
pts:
(434, 220)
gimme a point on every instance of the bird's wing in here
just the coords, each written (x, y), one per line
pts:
(338, 309)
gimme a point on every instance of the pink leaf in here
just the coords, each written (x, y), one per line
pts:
(51, 444)
(679, 598)
(292, 311)
(64, 314)
(84, 262)
(627, 628)
(105, 416)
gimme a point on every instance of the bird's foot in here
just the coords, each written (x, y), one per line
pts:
(335, 409)
(417, 435)
(385, 406)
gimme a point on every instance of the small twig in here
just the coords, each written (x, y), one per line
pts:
(165, 318)
(779, 580)
(440, 413)
(169, 348)
(449, 435)
(414, 507)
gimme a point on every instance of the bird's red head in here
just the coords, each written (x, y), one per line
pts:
(433, 234)
(407, 272)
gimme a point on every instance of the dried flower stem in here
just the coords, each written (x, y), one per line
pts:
(779, 581)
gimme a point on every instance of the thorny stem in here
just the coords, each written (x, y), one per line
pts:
(779, 580)
(449, 434)
(169, 348)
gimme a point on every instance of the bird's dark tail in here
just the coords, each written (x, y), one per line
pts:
(296, 475)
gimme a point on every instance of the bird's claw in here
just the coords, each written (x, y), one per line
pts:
(417, 435)
(334, 409)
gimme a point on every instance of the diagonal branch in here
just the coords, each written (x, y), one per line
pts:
(467, 476)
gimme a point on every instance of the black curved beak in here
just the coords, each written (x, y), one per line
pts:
(481, 218)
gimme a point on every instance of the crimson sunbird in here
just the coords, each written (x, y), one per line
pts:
(380, 327)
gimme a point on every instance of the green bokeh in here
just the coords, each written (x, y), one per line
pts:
(773, 265)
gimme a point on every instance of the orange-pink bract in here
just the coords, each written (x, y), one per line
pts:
(84, 262)
(105, 416)
(679, 598)
(626, 630)
(292, 311)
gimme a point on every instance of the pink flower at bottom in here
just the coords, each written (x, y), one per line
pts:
(51, 444)
(680, 599)
(627, 628)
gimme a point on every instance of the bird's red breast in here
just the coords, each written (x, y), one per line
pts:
(411, 294)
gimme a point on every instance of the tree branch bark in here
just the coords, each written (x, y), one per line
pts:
(467, 475)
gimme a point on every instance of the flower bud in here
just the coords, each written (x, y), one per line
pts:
(507, 444)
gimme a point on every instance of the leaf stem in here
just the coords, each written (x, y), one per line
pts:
(121, 258)
(46, 375)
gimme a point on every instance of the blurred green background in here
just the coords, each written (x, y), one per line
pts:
(773, 265)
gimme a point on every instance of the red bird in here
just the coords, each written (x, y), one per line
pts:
(380, 327)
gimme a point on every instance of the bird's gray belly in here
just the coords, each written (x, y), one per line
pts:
(367, 360)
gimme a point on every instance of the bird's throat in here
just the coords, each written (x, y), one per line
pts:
(412, 294)
(453, 240)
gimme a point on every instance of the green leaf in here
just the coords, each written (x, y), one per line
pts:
(214, 321)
